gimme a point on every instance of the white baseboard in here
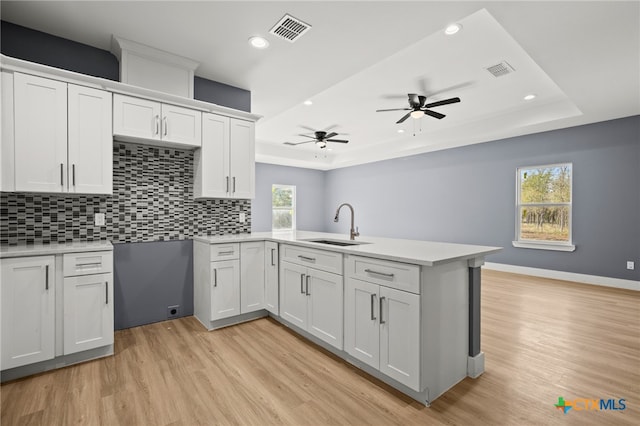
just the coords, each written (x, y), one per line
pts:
(566, 276)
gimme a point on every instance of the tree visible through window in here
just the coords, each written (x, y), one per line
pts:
(544, 204)
(283, 204)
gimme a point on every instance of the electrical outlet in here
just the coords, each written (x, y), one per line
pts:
(173, 311)
(98, 219)
(243, 217)
(631, 265)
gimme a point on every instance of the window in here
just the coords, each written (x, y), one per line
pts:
(543, 210)
(283, 205)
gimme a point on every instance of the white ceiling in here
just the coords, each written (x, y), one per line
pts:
(581, 59)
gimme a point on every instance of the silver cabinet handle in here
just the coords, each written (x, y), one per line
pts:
(215, 277)
(227, 184)
(273, 263)
(234, 184)
(46, 277)
(225, 253)
(381, 300)
(384, 274)
(94, 264)
(157, 123)
(302, 283)
(308, 259)
(373, 298)
(106, 292)
(62, 174)
(307, 291)
(166, 125)
(73, 174)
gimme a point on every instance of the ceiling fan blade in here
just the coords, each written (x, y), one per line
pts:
(330, 135)
(336, 140)
(394, 109)
(423, 100)
(308, 128)
(433, 114)
(307, 136)
(403, 118)
(297, 143)
(443, 102)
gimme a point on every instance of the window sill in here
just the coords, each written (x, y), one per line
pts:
(544, 246)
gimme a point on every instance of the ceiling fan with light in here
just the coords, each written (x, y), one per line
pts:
(320, 138)
(419, 107)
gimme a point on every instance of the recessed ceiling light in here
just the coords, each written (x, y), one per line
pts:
(530, 97)
(417, 114)
(329, 149)
(452, 29)
(308, 102)
(258, 42)
(400, 130)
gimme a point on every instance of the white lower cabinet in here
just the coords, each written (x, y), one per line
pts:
(225, 289)
(74, 290)
(271, 287)
(251, 276)
(312, 300)
(28, 310)
(382, 329)
(88, 312)
(228, 281)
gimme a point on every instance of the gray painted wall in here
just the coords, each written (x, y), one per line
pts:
(309, 196)
(467, 195)
(148, 278)
(35, 46)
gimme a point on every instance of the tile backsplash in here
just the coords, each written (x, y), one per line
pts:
(152, 201)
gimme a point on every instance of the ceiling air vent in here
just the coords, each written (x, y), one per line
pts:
(503, 68)
(289, 28)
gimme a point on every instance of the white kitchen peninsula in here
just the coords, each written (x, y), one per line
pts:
(404, 311)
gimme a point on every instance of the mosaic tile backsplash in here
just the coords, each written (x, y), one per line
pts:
(152, 201)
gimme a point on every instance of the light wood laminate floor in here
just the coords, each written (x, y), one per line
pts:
(542, 339)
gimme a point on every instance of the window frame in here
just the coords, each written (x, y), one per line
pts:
(292, 207)
(543, 244)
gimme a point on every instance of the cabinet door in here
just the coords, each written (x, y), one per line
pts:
(40, 134)
(181, 125)
(211, 162)
(293, 298)
(361, 327)
(28, 310)
(325, 297)
(242, 158)
(271, 277)
(135, 117)
(90, 142)
(225, 289)
(88, 312)
(400, 336)
(251, 276)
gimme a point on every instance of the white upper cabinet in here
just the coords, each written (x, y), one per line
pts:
(62, 138)
(142, 120)
(225, 165)
(90, 141)
(40, 108)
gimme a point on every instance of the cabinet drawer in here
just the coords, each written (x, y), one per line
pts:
(86, 263)
(225, 251)
(402, 276)
(319, 259)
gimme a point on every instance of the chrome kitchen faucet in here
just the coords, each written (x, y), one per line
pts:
(353, 232)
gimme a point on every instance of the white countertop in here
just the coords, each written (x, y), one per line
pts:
(427, 253)
(54, 248)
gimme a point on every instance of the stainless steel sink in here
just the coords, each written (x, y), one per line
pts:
(341, 243)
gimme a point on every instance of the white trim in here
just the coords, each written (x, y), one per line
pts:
(566, 276)
(475, 365)
(540, 245)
